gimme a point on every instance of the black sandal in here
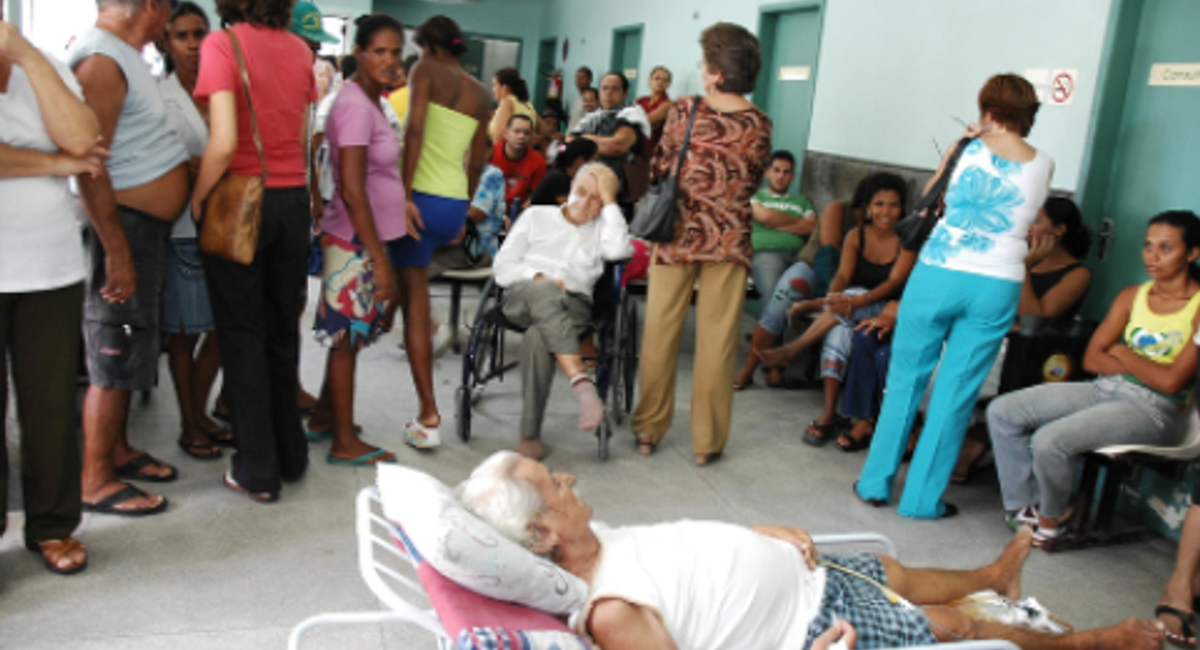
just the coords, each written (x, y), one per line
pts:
(819, 435)
(849, 444)
(132, 471)
(1187, 638)
(200, 450)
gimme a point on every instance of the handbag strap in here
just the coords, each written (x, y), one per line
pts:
(932, 197)
(241, 61)
(687, 135)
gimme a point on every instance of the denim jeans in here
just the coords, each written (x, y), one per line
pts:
(766, 267)
(795, 284)
(1039, 433)
(866, 374)
(835, 351)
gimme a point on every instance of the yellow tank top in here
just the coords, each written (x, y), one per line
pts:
(518, 108)
(1159, 337)
(441, 169)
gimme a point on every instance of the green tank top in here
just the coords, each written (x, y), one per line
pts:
(441, 170)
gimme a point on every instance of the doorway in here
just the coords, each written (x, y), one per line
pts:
(627, 54)
(547, 48)
(790, 38)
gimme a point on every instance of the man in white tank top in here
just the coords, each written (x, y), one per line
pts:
(712, 586)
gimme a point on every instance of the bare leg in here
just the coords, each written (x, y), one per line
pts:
(832, 388)
(104, 446)
(179, 359)
(814, 334)
(414, 304)
(950, 625)
(972, 451)
(1179, 590)
(938, 586)
(339, 384)
(760, 340)
(204, 374)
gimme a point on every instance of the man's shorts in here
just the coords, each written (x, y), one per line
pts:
(879, 622)
(121, 340)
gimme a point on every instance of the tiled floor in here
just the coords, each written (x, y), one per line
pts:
(218, 571)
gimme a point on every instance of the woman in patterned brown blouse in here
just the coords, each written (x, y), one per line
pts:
(730, 145)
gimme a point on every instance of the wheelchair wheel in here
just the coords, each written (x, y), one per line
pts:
(603, 433)
(462, 412)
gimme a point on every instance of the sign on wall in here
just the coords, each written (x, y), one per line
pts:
(1175, 74)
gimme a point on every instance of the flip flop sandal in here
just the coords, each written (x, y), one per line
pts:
(419, 436)
(1187, 620)
(200, 450)
(366, 460)
(132, 470)
(222, 436)
(260, 497)
(317, 436)
(850, 444)
(819, 435)
(108, 505)
(743, 385)
(1045, 538)
(59, 548)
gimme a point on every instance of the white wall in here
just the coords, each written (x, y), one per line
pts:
(891, 73)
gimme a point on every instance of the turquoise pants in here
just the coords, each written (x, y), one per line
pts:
(971, 314)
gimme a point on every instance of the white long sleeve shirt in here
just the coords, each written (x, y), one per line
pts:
(544, 241)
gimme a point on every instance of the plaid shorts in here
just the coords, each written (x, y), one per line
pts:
(879, 623)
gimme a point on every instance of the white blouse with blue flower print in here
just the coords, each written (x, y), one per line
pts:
(990, 205)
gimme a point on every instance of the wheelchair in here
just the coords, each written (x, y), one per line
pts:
(614, 326)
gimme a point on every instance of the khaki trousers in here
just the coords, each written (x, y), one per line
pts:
(719, 300)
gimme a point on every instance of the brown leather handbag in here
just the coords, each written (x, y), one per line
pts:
(233, 211)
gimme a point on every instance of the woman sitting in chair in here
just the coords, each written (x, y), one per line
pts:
(548, 265)
(1145, 363)
(872, 270)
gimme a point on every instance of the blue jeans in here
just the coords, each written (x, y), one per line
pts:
(866, 375)
(970, 313)
(797, 283)
(836, 349)
(1039, 433)
(766, 267)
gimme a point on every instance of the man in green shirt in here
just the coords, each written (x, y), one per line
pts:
(782, 224)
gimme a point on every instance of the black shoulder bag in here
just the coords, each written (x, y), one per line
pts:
(659, 211)
(915, 227)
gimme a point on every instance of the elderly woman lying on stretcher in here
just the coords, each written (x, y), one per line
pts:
(692, 584)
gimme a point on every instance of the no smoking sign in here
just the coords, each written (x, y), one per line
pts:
(1062, 88)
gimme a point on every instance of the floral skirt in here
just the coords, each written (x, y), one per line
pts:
(347, 309)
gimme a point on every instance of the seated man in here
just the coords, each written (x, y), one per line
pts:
(619, 128)
(782, 224)
(548, 265)
(523, 167)
(693, 584)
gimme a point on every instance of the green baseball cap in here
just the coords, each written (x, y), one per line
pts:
(307, 24)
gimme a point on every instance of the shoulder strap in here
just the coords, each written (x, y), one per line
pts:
(241, 60)
(687, 135)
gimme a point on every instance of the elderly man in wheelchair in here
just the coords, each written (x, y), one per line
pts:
(692, 584)
(547, 266)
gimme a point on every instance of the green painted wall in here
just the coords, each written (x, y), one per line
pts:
(517, 19)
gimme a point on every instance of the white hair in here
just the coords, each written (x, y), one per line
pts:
(496, 496)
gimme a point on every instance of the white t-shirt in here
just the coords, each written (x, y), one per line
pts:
(715, 586)
(41, 247)
(186, 122)
(990, 204)
(543, 241)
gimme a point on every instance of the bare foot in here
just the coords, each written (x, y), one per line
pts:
(1131, 634)
(1010, 563)
(743, 380)
(531, 448)
(775, 356)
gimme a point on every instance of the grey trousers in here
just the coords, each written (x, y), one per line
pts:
(1039, 433)
(555, 322)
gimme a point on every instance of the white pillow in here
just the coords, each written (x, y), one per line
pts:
(467, 550)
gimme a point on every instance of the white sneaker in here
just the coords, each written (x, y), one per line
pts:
(419, 436)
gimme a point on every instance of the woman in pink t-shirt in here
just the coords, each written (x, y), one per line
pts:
(358, 282)
(254, 306)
